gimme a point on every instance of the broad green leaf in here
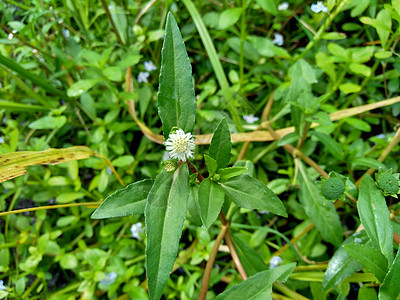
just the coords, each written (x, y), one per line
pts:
(358, 124)
(375, 217)
(383, 54)
(268, 6)
(193, 205)
(113, 73)
(342, 264)
(367, 293)
(384, 20)
(48, 122)
(81, 86)
(320, 118)
(349, 88)
(331, 145)
(165, 213)
(248, 192)
(390, 289)
(229, 17)
(246, 164)
(250, 259)
(289, 138)
(371, 258)
(220, 147)
(211, 198)
(176, 100)
(396, 5)
(211, 164)
(360, 69)
(368, 162)
(125, 202)
(321, 211)
(258, 286)
(227, 173)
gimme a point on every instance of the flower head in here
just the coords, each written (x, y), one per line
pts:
(318, 7)
(180, 145)
(250, 119)
(274, 262)
(283, 6)
(109, 279)
(278, 39)
(142, 77)
(149, 66)
(2, 286)
(136, 229)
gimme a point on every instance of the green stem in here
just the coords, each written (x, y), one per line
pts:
(242, 40)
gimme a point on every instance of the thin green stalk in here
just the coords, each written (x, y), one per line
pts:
(20, 5)
(105, 6)
(213, 56)
(10, 207)
(242, 40)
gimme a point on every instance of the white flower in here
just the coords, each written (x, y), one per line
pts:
(2, 287)
(149, 66)
(283, 6)
(136, 229)
(180, 145)
(278, 39)
(10, 36)
(318, 7)
(250, 119)
(1, 140)
(109, 279)
(274, 262)
(142, 77)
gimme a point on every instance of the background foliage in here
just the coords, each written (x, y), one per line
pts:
(68, 71)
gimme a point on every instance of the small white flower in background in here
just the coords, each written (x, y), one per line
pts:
(149, 66)
(2, 287)
(274, 262)
(283, 6)
(1, 140)
(109, 279)
(278, 40)
(136, 229)
(250, 119)
(142, 77)
(318, 7)
(180, 145)
(66, 33)
(10, 36)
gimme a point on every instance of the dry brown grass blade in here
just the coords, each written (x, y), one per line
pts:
(14, 164)
(265, 136)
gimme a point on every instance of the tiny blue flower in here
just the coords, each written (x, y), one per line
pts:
(109, 279)
(136, 229)
(318, 7)
(283, 6)
(1, 140)
(274, 262)
(149, 66)
(109, 171)
(2, 287)
(142, 77)
(250, 119)
(278, 39)
(66, 33)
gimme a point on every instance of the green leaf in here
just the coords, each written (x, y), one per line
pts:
(368, 162)
(321, 212)
(81, 86)
(125, 202)
(246, 164)
(349, 88)
(113, 73)
(229, 17)
(358, 124)
(390, 288)
(211, 165)
(375, 217)
(193, 205)
(372, 259)
(331, 145)
(48, 122)
(164, 213)
(258, 286)
(384, 20)
(288, 139)
(268, 6)
(320, 118)
(342, 264)
(248, 192)
(227, 173)
(220, 147)
(360, 69)
(250, 259)
(211, 198)
(176, 100)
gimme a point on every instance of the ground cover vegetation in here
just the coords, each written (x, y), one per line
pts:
(199, 149)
